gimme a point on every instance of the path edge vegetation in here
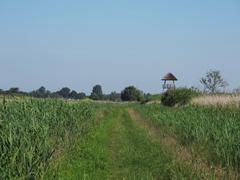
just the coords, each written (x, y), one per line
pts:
(158, 117)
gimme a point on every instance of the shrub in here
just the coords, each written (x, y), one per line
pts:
(145, 99)
(131, 94)
(114, 96)
(178, 97)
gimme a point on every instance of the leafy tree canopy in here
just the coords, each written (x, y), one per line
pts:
(65, 92)
(97, 93)
(131, 94)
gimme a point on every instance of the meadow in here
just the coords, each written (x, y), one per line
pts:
(33, 132)
(62, 139)
(209, 132)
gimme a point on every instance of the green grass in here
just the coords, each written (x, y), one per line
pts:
(210, 132)
(56, 139)
(142, 158)
(33, 131)
(118, 149)
(155, 97)
(88, 158)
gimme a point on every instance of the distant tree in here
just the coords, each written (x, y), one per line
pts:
(40, 93)
(13, 90)
(81, 95)
(97, 93)
(73, 95)
(237, 90)
(55, 95)
(48, 93)
(213, 81)
(131, 94)
(114, 96)
(64, 92)
(42, 90)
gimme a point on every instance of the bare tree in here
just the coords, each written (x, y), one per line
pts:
(237, 90)
(213, 81)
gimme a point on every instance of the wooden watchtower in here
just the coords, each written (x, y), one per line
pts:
(169, 81)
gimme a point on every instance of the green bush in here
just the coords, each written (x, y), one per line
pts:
(131, 93)
(180, 96)
(145, 99)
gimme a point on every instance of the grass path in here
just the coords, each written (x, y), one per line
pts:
(88, 159)
(180, 152)
(172, 145)
(118, 148)
(113, 148)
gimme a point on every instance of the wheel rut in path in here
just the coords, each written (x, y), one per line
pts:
(181, 153)
(114, 147)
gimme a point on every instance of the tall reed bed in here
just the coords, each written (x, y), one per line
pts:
(31, 131)
(214, 130)
(232, 100)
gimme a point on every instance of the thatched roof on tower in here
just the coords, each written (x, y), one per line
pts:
(169, 77)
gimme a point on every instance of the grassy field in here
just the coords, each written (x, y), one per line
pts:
(224, 100)
(32, 132)
(56, 139)
(119, 149)
(209, 132)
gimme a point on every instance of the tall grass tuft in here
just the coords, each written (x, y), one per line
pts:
(31, 131)
(225, 100)
(214, 130)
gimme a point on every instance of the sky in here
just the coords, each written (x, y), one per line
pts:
(116, 43)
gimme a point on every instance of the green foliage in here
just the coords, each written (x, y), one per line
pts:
(73, 95)
(41, 93)
(131, 94)
(114, 96)
(81, 95)
(88, 159)
(155, 97)
(13, 90)
(118, 149)
(32, 131)
(65, 92)
(97, 93)
(180, 96)
(145, 98)
(211, 132)
(213, 81)
(143, 158)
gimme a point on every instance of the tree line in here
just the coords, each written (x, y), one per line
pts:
(212, 82)
(130, 93)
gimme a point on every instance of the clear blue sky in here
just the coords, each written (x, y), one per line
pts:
(117, 43)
